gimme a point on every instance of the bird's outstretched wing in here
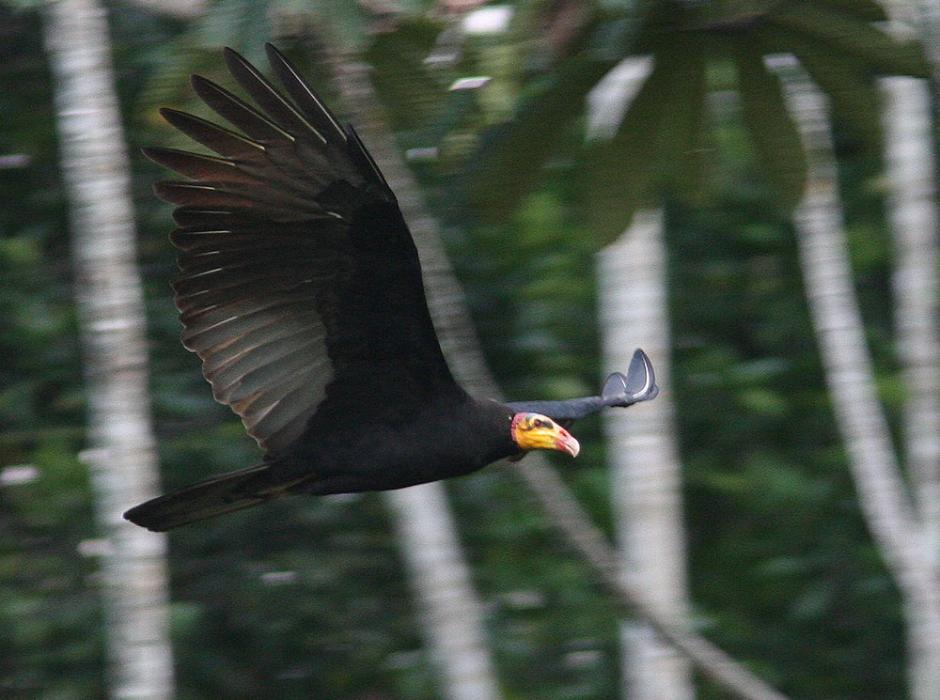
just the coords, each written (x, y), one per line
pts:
(299, 282)
(618, 391)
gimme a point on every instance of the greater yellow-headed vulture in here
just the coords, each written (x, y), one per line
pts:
(300, 290)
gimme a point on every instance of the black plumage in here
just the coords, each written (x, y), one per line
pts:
(618, 392)
(300, 289)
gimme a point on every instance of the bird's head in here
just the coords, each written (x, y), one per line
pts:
(533, 431)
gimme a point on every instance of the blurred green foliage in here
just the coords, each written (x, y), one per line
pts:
(307, 597)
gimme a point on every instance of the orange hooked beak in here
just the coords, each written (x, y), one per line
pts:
(533, 431)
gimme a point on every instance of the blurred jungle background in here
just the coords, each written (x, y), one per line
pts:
(744, 188)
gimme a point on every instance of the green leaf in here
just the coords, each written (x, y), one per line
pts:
(773, 133)
(660, 133)
(855, 98)
(622, 169)
(413, 93)
(874, 50)
(510, 157)
(690, 157)
(868, 10)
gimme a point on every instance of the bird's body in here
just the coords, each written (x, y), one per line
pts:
(397, 452)
(301, 291)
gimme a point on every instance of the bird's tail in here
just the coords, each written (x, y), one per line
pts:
(220, 494)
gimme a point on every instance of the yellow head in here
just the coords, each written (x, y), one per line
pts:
(533, 431)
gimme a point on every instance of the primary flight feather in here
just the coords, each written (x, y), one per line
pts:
(300, 290)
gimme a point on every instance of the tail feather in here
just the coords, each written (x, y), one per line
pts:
(220, 494)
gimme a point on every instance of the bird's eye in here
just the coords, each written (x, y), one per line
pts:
(539, 423)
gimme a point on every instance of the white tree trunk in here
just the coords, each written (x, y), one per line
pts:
(828, 278)
(912, 212)
(453, 616)
(928, 22)
(122, 458)
(644, 458)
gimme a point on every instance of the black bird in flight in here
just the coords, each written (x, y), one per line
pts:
(300, 290)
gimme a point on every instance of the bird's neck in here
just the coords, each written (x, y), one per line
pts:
(493, 430)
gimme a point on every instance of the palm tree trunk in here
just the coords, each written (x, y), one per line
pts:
(452, 612)
(828, 279)
(647, 503)
(928, 20)
(912, 212)
(644, 458)
(122, 456)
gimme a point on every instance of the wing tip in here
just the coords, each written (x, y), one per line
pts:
(152, 153)
(179, 119)
(638, 385)
(168, 113)
(238, 65)
(229, 53)
(274, 53)
(201, 83)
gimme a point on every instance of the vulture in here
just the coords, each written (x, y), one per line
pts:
(301, 292)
